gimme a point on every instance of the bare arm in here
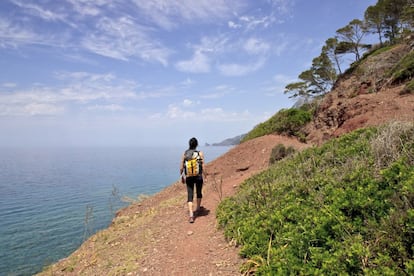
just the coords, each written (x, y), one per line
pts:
(202, 163)
(182, 165)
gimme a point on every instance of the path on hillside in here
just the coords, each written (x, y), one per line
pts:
(154, 237)
(199, 248)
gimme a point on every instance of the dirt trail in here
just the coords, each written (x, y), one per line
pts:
(199, 248)
(154, 237)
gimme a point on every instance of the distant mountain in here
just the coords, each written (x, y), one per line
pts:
(229, 142)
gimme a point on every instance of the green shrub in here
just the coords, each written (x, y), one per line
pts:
(338, 209)
(409, 88)
(404, 70)
(380, 50)
(279, 152)
(286, 121)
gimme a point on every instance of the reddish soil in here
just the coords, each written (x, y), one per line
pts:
(367, 98)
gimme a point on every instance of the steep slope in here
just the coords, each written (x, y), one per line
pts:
(364, 97)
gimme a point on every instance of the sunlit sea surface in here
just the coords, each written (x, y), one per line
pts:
(52, 199)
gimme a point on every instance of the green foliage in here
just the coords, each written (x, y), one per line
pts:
(350, 37)
(315, 81)
(286, 121)
(404, 70)
(344, 208)
(297, 89)
(409, 88)
(330, 50)
(380, 50)
(374, 17)
(355, 66)
(279, 152)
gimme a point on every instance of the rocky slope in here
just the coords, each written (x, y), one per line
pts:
(363, 98)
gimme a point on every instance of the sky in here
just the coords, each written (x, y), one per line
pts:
(154, 72)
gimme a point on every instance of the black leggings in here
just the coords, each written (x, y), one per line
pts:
(198, 181)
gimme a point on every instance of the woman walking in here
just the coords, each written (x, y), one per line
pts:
(192, 163)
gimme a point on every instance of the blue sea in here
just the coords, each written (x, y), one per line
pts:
(52, 199)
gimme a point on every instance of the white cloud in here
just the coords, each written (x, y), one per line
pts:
(213, 114)
(175, 112)
(115, 35)
(52, 13)
(218, 92)
(278, 10)
(122, 38)
(109, 107)
(9, 84)
(38, 11)
(42, 109)
(199, 63)
(233, 25)
(30, 109)
(234, 69)
(169, 13)
(217, 49)
(224, 87)
(218, 114)
(281, 46)
(283, 6)
(84, 76)
(90, 7)
(209, 48)
(76, 87)
(251, 22)
(256, 46)
(187, 82)
(210, 96)
(14, 35)
(214, 44)
(187, 102)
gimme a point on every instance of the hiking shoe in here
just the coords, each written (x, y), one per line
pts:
(191, 219)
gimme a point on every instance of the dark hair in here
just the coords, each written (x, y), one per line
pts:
(193, 143)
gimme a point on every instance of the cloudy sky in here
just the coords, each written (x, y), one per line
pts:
(148, 72)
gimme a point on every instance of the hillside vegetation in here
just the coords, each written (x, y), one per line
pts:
(287, 121)
(347, 206)
(343, 208)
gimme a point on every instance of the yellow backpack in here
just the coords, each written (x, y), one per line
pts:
(192, 163)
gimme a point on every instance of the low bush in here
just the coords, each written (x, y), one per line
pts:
(404, 70)
(409, 88)
(279, 152)
(345, 208)
(286, 121)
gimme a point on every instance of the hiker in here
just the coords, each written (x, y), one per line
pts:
(191, 170)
